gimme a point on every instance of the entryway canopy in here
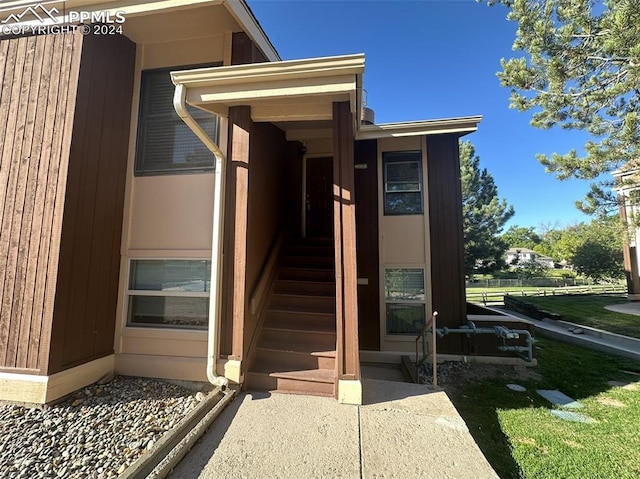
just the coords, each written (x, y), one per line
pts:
(285, 92)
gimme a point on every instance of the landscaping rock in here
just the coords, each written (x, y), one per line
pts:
(90, 435)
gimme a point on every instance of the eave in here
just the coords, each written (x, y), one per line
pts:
(461, 126)
(277, 91)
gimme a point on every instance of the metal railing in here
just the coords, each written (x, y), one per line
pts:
(429, 327)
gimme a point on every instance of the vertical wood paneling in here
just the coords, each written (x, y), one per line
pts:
(23, 300)
(50, 73)
(266, 210)
(244, 50)
(12, 151)
(446, 236)
(366, 198)
(62, 167)
(85, 304)
(38, 77)
(69, 68)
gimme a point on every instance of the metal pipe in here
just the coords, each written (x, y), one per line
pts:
(213, 343)
(499, 331)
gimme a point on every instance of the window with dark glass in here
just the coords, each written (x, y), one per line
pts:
(404, 300)
(402, 183)
(169, 293)
(165, 144)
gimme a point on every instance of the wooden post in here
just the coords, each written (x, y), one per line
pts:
(236, 212)
(348, 357)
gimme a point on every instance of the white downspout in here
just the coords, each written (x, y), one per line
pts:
(213, 344)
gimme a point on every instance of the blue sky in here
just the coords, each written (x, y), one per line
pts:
(429, 59)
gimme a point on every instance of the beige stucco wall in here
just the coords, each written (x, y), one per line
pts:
(171, 212)
(404, 239)
(166, 216)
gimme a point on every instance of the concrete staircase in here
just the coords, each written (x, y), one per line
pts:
(296, 351)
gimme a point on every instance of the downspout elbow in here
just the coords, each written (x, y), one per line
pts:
(213, 341)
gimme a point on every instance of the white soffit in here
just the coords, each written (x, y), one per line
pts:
(294, 90)
(462, 125)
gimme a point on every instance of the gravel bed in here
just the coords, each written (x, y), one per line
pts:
(97, 433)
(447, 371)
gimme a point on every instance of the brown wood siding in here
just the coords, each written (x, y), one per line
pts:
(39, 76)
(366, 196)
(446, 236)
(85, 305)
(235, 232)
(266, 210)
(243, 50)
(347, 350)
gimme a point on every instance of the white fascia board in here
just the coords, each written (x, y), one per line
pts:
(462, 125)
(264, 72)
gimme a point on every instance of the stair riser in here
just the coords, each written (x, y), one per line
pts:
(324, 321)
(308, 242)
(308, 262)
(294, 361)
(303, 274)
(317, 251)
(306, 287)
(263, 382)
(304, 303)
(322, 342)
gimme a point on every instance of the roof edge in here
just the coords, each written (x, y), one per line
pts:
(246, 73)
(464, 125)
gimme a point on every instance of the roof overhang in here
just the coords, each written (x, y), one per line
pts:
(284, 91)
(239, 12)
(461, 126)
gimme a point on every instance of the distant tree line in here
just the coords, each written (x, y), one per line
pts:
(592, 249)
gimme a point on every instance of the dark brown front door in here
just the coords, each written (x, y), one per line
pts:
(319, 204)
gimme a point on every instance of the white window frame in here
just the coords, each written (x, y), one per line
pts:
(387, 301)
(153, 293)
(388, 159)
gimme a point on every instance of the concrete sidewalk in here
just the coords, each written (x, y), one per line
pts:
(402, 431)
(588, 337)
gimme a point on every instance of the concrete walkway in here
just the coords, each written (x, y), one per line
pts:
(625, 308)
(588, 337)
(402, 431)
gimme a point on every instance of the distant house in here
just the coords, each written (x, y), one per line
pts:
(178, 202)
(519, 256)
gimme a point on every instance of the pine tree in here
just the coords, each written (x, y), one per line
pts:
(484, 214)
(581, 71)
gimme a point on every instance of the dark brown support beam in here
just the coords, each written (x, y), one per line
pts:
(348, 359)
(235, 227)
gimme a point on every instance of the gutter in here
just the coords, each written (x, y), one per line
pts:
(213, 343)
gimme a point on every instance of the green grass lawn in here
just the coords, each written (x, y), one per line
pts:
(588, 310)
(521, 439)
